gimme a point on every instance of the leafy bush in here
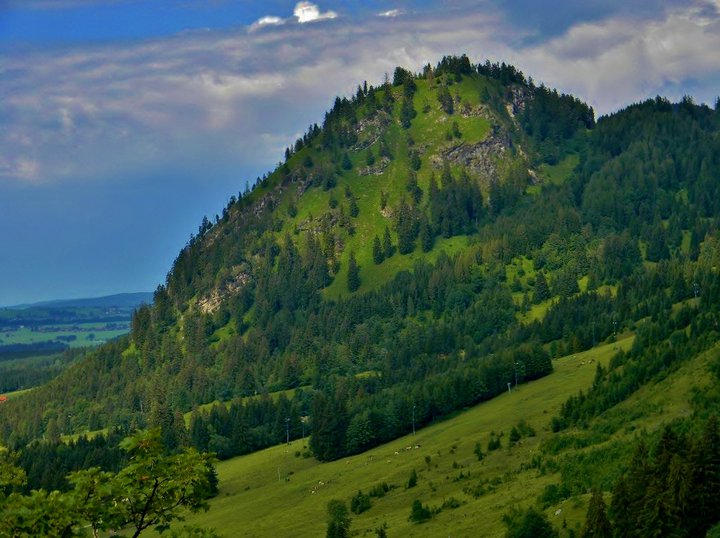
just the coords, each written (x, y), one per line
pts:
(379, 490)
(360, 503)
(419, 513)
(528, 524)
(412, 481)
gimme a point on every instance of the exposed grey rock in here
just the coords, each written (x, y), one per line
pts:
(480, 158)
(369, 130)
(240, 277)
(377, 169)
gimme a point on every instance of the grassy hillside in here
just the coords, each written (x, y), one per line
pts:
(251, 494)
(427, 134)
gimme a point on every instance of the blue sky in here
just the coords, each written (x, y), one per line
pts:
(125, 121)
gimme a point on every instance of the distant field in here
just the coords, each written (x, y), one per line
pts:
(49, 327)
(256, 501)
(74, 335)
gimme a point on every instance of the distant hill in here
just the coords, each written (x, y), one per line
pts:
(119, 300)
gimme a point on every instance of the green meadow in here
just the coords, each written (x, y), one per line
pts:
(279, 492)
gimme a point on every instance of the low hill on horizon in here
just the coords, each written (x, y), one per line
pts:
(118, 300)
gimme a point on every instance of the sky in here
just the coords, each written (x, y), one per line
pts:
(124, 122)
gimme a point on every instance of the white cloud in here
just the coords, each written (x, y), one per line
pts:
(268, 20)
(391, 13)
(304, 12)
(309, 12)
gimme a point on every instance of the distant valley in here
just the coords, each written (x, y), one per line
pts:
(53, 325)
(35, 338)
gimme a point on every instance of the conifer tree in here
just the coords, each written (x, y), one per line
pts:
(427, 238)
(407, 227)
(623, 517)
(338, 520)
(378, 254)
(446, 100)
(542, 290)
(388, 247)
(354, 209)
(597, 524)
(413, 188)
(407, 113)
(353, 276)
(705, 460)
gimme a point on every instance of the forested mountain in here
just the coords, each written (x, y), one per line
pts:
(436, 239)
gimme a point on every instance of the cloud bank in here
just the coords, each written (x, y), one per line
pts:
(233, 99)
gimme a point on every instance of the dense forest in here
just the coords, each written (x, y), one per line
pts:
(438, 239)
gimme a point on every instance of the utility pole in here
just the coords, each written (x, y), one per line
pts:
(413, 419)
(615, 334)
(287, 440)
(509, 385)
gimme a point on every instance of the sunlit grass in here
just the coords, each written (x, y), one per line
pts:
(254, 502)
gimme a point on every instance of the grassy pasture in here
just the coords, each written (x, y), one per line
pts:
(255, 499)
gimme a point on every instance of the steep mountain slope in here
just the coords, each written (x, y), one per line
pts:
(437, 238)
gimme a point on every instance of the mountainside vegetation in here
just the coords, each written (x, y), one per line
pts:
(440, 239)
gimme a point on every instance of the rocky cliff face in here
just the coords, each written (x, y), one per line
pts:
(480, 159)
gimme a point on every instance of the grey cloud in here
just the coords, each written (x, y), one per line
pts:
(234, 95)
(615, 62)
(234, 99)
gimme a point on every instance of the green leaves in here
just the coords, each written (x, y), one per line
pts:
(9, 474)
(39, 514)
(154, 490)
